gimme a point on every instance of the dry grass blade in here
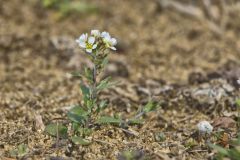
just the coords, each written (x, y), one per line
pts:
(130, 131)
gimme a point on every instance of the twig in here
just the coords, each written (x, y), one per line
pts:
(198, 150)
(134, 133)
(104, 142)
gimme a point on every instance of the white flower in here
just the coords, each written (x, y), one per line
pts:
(108, 40)
(82, 40)
(105, 34)
(238, 81)
(204, 127)
(87, 43)
(95, 33)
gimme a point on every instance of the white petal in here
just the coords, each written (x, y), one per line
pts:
(113, 48)
(113, 41)
(95, 32)
(105, 35)
(107, 39)
(89, 50)
(94, 46)
(83, 37)
(91, 40)
(82, 44)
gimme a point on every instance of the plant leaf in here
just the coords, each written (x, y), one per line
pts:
(238, 102)
(150, 106)
(234, 154)
(81, 141)
(219, 149)
(78, 110)
(109, 120)
(104, 84)
(20, 151)
(77, 114)
(76, 74)
(85, 131)
(82, 7)
(54, 129)
(135, 121)
(160, 137)
(88, 74)
(13, 153)
(49, 3)
(104, 62)
(103, 104)
(85, 90)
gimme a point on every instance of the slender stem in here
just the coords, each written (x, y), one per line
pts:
(94, 72)
(94, 81)
(93, 85)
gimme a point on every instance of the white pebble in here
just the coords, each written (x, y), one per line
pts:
(204, 127)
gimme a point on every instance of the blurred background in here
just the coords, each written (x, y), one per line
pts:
(165, 40)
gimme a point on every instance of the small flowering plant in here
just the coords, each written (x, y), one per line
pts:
(97, 46)
(86, 115)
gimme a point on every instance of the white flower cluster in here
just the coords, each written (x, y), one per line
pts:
(96, 40)
(204, 127)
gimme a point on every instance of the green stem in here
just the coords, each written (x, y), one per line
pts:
(94, 82)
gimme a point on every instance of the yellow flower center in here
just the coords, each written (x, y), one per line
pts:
(89, 46)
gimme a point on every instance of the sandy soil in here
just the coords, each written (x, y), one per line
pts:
(173, 58)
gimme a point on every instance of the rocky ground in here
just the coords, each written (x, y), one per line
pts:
(173, 58)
